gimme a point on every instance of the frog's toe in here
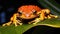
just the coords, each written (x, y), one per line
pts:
(20, 23)
(3, 24)
(56, 16)
(29, 23)
(16, 24)
(6, 24)
(35, 23)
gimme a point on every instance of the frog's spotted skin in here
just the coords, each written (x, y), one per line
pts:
(29, 12)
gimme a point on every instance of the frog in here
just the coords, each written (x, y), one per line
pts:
(28, 12)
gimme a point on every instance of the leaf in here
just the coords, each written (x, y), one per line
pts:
(55, 22)
(21, 29)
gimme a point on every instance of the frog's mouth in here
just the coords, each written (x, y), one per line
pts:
(27, 20)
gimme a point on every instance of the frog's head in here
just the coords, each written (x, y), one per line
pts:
(28, 11)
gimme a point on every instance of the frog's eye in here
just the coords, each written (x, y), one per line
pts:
(34, 11)
(20, 12)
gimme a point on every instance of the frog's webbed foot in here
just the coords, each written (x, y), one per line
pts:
(7, 24)
(34, 21)
(16, 23)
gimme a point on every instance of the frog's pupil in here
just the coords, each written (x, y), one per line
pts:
(19, 12)
(35, 12)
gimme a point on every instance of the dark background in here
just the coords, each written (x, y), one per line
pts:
(9, 7)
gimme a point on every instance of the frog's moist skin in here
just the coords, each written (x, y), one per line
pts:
(29, 12)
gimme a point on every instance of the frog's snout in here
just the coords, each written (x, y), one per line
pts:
(27, 15)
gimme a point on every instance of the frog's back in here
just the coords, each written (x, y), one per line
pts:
(29, 8)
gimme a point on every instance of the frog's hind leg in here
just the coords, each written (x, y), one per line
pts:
(43, 14)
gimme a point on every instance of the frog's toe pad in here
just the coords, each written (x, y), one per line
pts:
(8, 24)
(35, 23)
(20, 23)
(3, 24)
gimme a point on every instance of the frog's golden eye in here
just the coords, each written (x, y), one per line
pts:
(34, 11)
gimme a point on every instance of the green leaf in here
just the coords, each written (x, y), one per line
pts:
(21, 29)
(55, 22)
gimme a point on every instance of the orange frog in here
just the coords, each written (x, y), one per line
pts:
(29, 12)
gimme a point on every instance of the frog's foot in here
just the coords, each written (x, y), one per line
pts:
(7, 24)
(31, 22)
(34, 21)
(55, 16)
(16, 23)
(51, 16)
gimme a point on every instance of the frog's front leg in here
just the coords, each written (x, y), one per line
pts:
(41, 17)
(13, 20)
(36, 20)
(41, 14)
